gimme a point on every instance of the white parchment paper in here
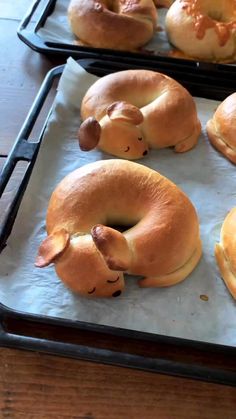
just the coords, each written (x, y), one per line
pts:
(205, 175)
(57, 29)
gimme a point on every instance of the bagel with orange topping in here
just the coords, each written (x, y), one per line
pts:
(203, 29)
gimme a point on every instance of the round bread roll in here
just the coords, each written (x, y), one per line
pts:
(221, 129)
(203, 29)
(162, 244)
(225, 252)
(117, 24)
(127, 112)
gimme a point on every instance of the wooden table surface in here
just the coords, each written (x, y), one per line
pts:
(37, 385)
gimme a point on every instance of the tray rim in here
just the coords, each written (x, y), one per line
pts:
(35, 42)
(6, 339)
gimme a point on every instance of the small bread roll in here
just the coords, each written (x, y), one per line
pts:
(221, 129)
(116, 24)
(225, 252)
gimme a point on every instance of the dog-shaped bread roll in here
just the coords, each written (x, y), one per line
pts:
(162, 244)
(127, 112)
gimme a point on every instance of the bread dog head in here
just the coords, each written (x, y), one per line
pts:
(119, 132)
(90, 264)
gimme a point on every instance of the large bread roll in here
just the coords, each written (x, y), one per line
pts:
(163, 244)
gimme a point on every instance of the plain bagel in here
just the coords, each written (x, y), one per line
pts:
(126, 112)
(163, 245)
(116, 24)
(221, 129)
(225, 252)
(203, 29)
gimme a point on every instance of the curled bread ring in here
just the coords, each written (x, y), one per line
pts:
(221, 129)
(203, 29)
(128, 111)
(163, 245)
(225, 252)
(116, 24)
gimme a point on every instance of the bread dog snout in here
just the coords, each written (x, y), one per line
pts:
(119, 132)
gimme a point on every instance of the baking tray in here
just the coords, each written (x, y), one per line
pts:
(35, 19)
(90, 341)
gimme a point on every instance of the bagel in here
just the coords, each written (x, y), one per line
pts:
(221, 129)
(116, 24)
(163, 244)
(127, 112)
(225, 252)
(203, 29)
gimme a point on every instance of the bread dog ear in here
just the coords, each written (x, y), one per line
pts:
(53, 246)
(113, 246)
(89, 134)
(123, 111)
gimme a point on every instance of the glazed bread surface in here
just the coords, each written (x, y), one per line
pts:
(138, 109)
(221, 129)
(225, 252)
(162, 244)
(203, 29)
(116, 24)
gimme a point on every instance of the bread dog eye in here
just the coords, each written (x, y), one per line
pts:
(93, 290)
(127, 149)
(140, 138)
(110, 281)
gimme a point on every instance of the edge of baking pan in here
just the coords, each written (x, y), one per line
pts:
(77, 339)
(35, 42)
(14, 336)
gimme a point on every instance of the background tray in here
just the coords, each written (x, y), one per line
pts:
(95, 342)
(34, 20)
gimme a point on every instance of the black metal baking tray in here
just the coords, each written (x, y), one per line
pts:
(31, 38)
(105, 344)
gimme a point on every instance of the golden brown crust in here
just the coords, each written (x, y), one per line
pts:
(178, 275)
(165, 235)
(90, 131)
(210, 25)
(221, 129)
(225, 252)
(52, 247)
(125, 111)
(113, 246)
(169, 111)
(116, 24)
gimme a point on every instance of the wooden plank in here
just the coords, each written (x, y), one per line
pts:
(39, 386)
(36, 385)
(22, 72)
